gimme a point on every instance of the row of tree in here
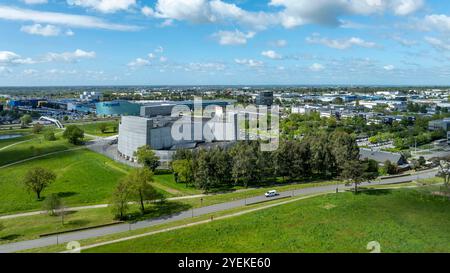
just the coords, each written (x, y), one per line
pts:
(324, 155)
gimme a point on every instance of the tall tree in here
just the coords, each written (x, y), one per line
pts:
(183, 171)
(141, 189)
(202, 170)
(444, 172)
(25, 120)
(120, 199)
(353, 173)
(147, 157)
(52, 203)
(344, 148)
(245, 162)
(37, 179)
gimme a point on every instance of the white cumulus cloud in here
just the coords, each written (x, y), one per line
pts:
(38, 29)
(233, 37)
(316, 67)
(105, 6)
(340, 44)
(271, 54)
(75, 56)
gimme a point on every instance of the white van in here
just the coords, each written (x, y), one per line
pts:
(271, 193)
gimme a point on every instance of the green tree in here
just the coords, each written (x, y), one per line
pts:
(183, 171)
(37, 128)
(73, 134)
(37, 179)
(49, 135)
(147, 157)
(344, 149)
(102, 127)
(353, 173)
(120, 199)
(245, 164)
(52, 203)
(139, 181)
(422, 161)
(26, 120)
(390, 168)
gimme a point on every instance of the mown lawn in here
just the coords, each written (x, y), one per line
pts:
(30, 227)
(93, 128)
(83, 177)
(406, 220)
(35, 147)
(179, 189)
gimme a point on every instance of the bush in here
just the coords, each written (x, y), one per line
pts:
(49, 136)
(73, 134)
(37, 128)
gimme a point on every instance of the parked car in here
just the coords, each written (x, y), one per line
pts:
(271, 193)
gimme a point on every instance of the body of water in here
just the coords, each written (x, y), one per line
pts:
(9, 136)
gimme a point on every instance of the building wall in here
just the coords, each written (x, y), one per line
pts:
(156, 110)
(133, 133)
(117, 108)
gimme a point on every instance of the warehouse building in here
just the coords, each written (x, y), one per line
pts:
(170, 133)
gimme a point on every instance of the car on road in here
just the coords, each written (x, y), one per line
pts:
(271, 193)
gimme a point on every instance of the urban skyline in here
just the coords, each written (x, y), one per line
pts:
(199, 42)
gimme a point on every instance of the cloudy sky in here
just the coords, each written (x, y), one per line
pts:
(154, 42)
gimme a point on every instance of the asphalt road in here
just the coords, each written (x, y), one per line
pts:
(91, 233)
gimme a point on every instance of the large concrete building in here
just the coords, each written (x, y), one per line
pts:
(170, 133)
(161, 129)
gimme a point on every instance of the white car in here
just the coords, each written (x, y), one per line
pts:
(271, 193)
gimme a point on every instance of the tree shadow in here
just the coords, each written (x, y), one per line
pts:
(66, 194)
(375, 192)
(10, 237)
(158, 210)
(78, 222)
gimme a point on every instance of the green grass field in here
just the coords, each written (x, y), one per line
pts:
(167, 181)
(406, 220)
(93, 128)
(35, 147)
(83, 177)
(30, 227)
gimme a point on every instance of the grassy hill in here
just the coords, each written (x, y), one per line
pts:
(83, 177)
(407, 220)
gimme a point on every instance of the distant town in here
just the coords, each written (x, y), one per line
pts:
(93, 167)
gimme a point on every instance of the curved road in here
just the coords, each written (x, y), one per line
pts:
(91, 233)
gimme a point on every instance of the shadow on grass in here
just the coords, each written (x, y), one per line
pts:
(375, 192)
(10, 237)
(158, 210)
(66, 194)
(79, 222)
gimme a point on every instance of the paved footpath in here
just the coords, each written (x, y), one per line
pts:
(92, 233)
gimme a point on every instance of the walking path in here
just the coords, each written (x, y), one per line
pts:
(33, 213)
(92, 233)
(11, 145)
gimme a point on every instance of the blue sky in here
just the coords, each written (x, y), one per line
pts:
(244, 42)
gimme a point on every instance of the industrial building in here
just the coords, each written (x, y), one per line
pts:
(264, 98)
(160, 129)
(440, 124)
(170, 133)
(117, 108)
(91, 96)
